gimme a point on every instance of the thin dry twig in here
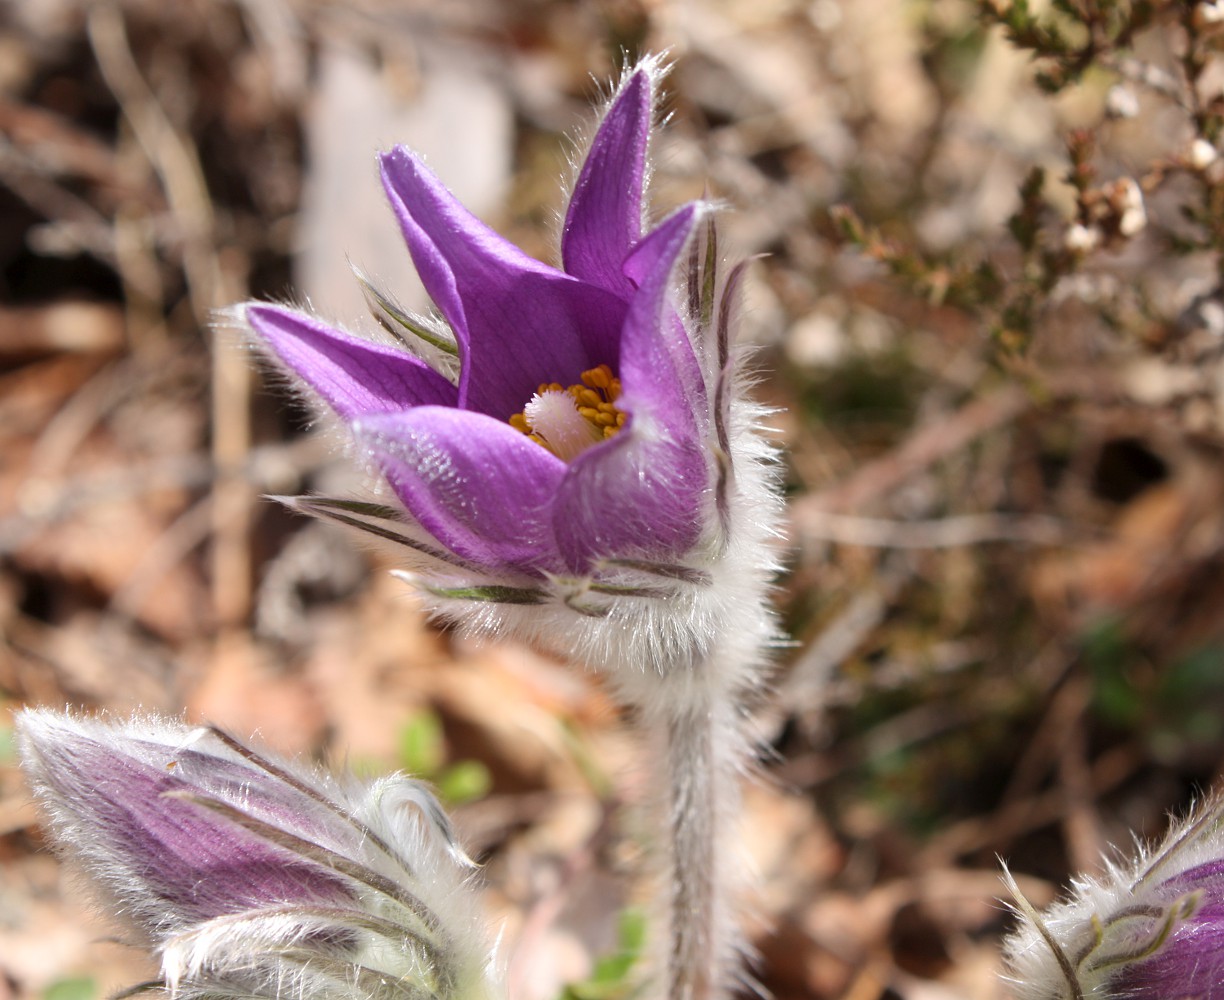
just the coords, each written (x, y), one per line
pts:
(934, 441)
(937, 533)
(173, 155)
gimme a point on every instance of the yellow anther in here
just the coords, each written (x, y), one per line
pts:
(601, 378)
(594, 407)
(598, 378)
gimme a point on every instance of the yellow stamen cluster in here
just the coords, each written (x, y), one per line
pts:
(594, 400)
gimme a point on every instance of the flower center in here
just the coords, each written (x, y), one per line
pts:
(569, 421)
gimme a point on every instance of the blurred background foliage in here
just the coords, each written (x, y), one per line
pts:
(988, 307)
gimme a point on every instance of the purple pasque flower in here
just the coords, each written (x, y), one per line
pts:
(253, 876)
(1151, 928)
(558, 439)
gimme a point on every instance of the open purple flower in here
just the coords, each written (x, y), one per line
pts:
(1149, 929)
(569, 455)
(554, 436)
(256, 877)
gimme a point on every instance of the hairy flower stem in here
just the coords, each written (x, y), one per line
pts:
(702, 791)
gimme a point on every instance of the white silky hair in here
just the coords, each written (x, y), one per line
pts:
(1056, 954)
(410, 924)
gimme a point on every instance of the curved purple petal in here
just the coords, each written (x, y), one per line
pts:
(174, 863)
(604, 219)
(480, 487)
(201, 864)
(353, 376)
(642, 491)
(1189, 964)
(658, 368)
(1191, 961)
(1207, 878)
(518, 322)
(653, 252)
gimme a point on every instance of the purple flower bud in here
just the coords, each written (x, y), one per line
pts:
(563, 445)
(1149, 929)
(251, 875)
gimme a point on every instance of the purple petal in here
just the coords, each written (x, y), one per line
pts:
(1191, 961)
(355, 377)
(518, 322)
(652, 253)
(476, 484)
(1208, 878)
(658, 368)
(641, 494)
(1189, 964)
(604, 220)
(170, 862)
(643, 490)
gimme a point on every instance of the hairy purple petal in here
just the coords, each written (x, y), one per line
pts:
(643, 491)
(1151, 928)
(355, 377)
(604, 220)
(169, 862)
(658, 367)
(257, 877)
(518, 322)
(476, 484)
(1191, 962)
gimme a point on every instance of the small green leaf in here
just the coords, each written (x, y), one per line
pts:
(375, 519)
(492, 594)
(397, 321)
(71, 988)
(422, 746)
(669, 571)
(464, 781)
(612, 978)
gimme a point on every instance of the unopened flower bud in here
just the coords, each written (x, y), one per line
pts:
(256, 877)
(1149, 929)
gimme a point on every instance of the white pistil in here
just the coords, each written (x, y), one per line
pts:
(554, 416)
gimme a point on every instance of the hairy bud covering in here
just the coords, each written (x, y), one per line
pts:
(1150, 928)
(257, 877)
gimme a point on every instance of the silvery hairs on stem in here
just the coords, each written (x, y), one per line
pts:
(569, 455)
(253, 876)
(1150, 928)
